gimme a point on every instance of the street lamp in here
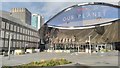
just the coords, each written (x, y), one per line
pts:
(10, 36)
(90, 43)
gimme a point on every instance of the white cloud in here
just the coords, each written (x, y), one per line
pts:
(51, 8)
(0, 6)
(8, 5)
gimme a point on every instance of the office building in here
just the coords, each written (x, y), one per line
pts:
(22, 13)
(16, 32)
(37, 21)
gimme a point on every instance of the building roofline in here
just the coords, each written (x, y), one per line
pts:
(82, 27)
(15, 20)
(84, 4)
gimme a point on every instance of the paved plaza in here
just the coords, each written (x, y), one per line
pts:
(81, 58)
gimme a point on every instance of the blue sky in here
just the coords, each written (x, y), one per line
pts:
(46, 9)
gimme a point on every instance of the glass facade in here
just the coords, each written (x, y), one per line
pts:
(34, 22)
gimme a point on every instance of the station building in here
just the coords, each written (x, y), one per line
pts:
(92, 26)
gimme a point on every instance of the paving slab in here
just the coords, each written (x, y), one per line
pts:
(81, 58)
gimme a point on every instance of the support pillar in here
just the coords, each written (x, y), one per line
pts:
(78, 48)
(55, 47)
(111, 47)
(65, 46)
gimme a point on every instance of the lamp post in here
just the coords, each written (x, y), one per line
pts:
(9, 47)
(90, 43)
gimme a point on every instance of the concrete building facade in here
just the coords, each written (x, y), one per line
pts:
(22, 13)
(16, 32)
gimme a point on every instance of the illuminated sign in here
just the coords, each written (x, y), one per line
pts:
(78, 15)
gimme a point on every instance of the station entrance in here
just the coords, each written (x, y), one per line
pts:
(81, 47)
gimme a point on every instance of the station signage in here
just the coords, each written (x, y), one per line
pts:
(83, 13)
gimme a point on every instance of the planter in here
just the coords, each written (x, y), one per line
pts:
(87, 51)
(49, 50)
(29, 50)
(67, 51)
(46, 63)
(18, 52)
(37, 50)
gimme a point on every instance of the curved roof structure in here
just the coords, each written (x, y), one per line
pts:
(85, 15)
